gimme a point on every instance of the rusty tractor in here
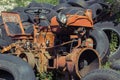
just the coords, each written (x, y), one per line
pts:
(63, 45)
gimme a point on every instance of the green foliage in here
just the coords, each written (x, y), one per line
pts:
(26, 2)
(106, 65)
(114, 42)
(22, 3)
(48, 1)
(45, 76)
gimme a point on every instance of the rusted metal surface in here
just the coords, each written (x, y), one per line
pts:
(46, 39)
(11, 17)
(28, 57)
(87, 60)
(48, 48)
(76, 20)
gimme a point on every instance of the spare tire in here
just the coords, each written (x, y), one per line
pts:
(110, 26)
(102, 74)
(101, 43)
(14, 68)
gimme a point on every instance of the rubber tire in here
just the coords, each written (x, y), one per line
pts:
(96, 10)
(61, 6)
(78, 3)
(73, 10)
(91, 2)
(17, 67)
(14, 28)
(102, 74)
(20, 10)
(3, 43)
(101, 42)
(115, 65)
(35, 4)
(43, 5)
(62, 1)
(111, 26)
(50, 15)
(88, 2)
(5, 39)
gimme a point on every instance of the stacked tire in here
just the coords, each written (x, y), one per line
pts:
(14, 68)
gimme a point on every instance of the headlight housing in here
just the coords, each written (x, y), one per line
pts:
(62, 19)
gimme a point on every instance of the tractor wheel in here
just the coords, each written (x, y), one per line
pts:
(102, 75)
(101, 42)
(14, 68)
(109, 27)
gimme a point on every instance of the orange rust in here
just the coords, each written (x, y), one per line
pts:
(7, 48)
(61, 61)
(35, 33)
(76, 20)
(73, 36)
(12, 17)
(89, 43)
(44, 37)
(82, 73)
(45, 48)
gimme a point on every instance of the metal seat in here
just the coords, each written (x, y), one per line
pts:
(14, 18)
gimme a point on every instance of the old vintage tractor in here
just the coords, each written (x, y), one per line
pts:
(63, 45)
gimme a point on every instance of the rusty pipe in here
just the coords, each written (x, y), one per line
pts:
(87, 60)
(79, 61)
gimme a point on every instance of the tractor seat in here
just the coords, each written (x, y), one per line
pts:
(13, 26)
